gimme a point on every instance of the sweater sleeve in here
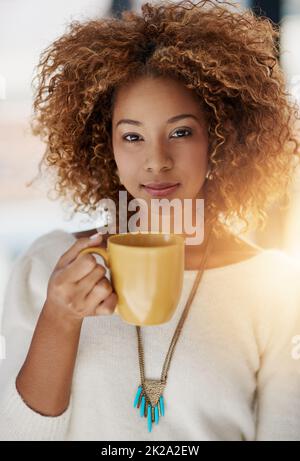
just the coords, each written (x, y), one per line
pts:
(278, 379)
(24, 297)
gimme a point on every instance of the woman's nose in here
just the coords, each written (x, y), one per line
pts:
(158, 159)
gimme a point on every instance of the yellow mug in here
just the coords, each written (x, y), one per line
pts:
(147, 270)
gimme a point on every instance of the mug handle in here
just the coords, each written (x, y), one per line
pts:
(100, 251)
(104, 253)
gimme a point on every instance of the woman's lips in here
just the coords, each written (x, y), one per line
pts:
(161, 192)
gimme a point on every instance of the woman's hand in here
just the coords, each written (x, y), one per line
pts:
(78, 287)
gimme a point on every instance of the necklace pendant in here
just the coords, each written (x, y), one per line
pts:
(149, 399)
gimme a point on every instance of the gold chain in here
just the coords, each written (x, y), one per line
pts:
(176, 335)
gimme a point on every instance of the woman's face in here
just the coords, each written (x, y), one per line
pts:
(149, 147)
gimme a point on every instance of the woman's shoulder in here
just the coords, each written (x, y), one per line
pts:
(26, 288)
(273, 271)
(279, 259)
(44, 250)
(57, 239)
(237, 252)
(229, 249)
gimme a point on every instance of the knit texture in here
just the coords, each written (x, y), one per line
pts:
(232, 376)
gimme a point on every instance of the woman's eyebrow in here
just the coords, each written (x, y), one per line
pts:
(170, 120)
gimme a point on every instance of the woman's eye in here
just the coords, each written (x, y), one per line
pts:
(134, 135)
(182, 130)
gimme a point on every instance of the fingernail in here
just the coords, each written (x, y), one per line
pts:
(96, 236)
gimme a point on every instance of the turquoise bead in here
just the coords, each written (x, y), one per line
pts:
(142, 407)
(137, 396)
(146, 408)
(156, 414)
(161, 402)
(149, 417)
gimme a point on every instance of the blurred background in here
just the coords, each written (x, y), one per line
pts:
(29, 26)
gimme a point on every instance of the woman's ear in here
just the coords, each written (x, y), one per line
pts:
(208, 173)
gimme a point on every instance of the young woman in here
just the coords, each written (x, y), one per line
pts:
(187, 94)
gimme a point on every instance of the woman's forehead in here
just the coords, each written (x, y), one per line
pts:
(145, 95)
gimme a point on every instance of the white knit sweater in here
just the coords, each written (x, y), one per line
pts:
(232, 377)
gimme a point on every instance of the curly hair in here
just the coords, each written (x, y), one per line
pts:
(227, 56)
